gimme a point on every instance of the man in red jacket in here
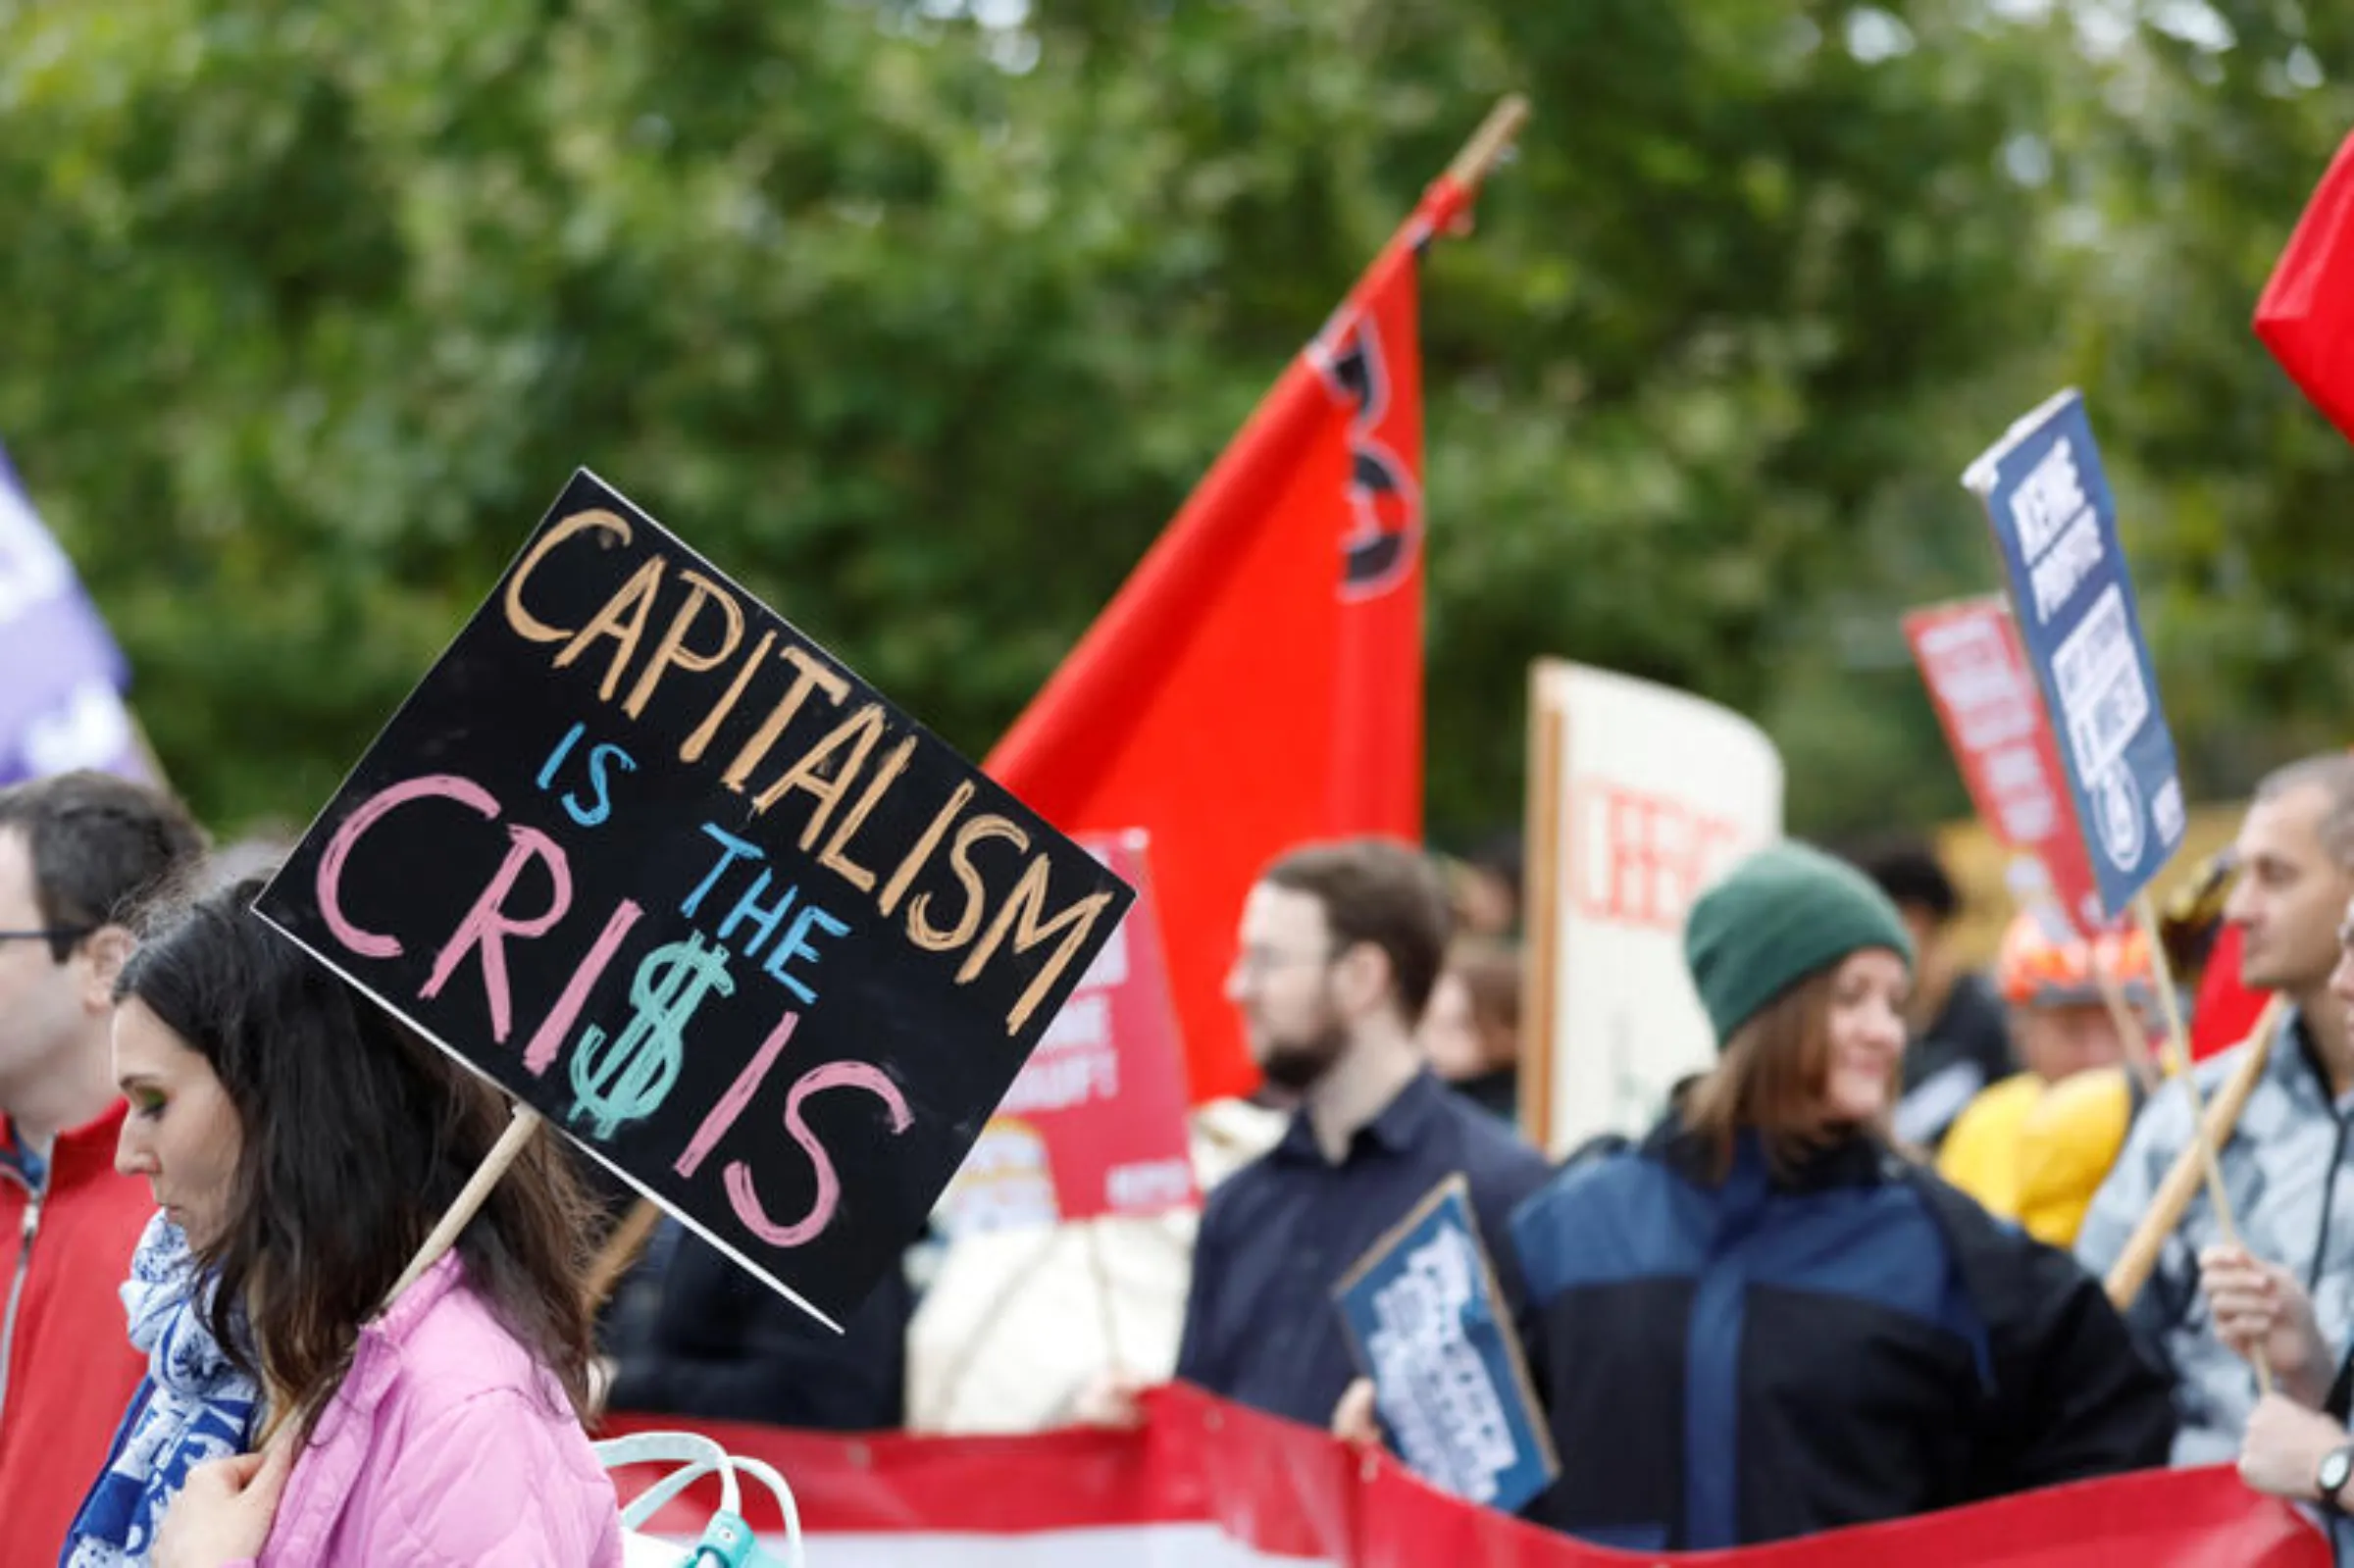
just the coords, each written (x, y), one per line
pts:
(78, 852)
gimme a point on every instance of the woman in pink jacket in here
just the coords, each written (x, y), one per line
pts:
(301, 1145)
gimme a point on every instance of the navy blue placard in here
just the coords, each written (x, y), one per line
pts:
(646, 855)
(2055, 524)
(1426, 1322)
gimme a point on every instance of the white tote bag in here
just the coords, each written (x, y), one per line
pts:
(727, 1540)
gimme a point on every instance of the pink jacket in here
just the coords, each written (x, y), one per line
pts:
(447, 1447)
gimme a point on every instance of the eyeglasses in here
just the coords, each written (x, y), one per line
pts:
(56, 933)
(1258, 962)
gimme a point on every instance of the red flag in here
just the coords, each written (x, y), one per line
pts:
(1257, 681)
(2306, 315)
(2225, 1010)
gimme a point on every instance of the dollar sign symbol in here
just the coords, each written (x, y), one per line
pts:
(628, 1078)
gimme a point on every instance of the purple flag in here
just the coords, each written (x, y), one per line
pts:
(61, 674)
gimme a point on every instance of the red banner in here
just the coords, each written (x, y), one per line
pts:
(1094, 1124)
(1207, 1482)
(1993, 719)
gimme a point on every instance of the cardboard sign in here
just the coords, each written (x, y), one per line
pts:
(1639, 797)
(1992, 715)
(2055, 524)
(1094, 1124)
(651, 860)
(1428, 1325)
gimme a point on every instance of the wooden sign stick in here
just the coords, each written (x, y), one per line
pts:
(2132, 1267)
(621, 1251)
(1540, 945)
(521, 1130)
(2132, 1032)
(2178, 1061)
(284, 1417)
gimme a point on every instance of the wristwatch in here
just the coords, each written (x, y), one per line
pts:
(2331, 1474)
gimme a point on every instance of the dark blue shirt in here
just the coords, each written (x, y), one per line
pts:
(18, 1156)
(1260, 1327)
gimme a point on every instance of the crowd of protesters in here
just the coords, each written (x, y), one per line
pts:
(1856, 1272)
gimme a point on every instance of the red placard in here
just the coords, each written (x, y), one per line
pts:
(1096, 1124)
(1993, 718)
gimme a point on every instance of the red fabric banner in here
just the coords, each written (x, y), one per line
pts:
(1275, 1492)
(1257, 681)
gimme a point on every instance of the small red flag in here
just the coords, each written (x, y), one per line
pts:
(2225, 1010)
(2306, 315)
(1257, 681)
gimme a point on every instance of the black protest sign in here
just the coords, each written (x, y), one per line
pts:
(649, 858)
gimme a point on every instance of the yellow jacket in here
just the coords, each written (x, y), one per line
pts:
(1980, 1152)
(2037, 1152)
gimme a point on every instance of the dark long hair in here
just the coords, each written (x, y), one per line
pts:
(358, 1135)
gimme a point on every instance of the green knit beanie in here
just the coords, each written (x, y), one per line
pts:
(1779, 916)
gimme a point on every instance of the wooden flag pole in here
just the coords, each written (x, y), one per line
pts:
(1489, 142)
(521, 1130)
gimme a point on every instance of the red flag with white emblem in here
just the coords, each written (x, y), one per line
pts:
(1257, 681)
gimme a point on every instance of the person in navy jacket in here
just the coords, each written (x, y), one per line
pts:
(1761, 1321)
(1340, 945)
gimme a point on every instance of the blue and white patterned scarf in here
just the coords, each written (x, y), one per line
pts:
(193, 1405)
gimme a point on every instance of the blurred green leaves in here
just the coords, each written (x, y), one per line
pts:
(923, 317)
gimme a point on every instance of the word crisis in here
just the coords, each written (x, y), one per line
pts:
(617, 1077)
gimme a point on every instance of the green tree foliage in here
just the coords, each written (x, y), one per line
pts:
(2182, 190)
(923, 315)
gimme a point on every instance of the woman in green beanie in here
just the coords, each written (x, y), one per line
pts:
(1762, 1321)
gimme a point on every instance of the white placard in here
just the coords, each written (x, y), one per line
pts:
(1640, 795)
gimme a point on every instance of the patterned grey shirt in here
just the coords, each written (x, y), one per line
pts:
(2291, 1186)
